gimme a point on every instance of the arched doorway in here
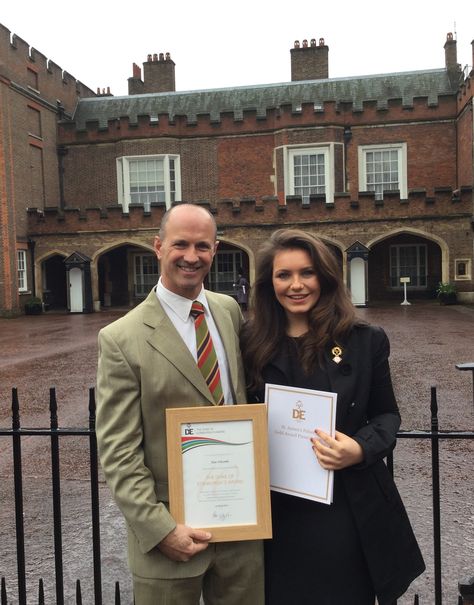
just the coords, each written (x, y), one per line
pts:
(229, 260)
(404, 255)
(126, 274)
(54, 284)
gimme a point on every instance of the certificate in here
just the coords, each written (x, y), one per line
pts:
(293, 416)
(218, 470)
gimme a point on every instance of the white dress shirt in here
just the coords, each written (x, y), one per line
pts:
(178, 310)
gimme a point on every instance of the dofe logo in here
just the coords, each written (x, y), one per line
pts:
(298, 411)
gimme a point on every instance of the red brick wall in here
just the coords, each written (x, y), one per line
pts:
(465, 147)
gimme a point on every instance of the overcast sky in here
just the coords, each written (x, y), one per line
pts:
(219, 44)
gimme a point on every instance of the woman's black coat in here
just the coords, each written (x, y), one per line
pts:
(367, 411)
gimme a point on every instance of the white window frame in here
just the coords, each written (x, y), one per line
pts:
(141, 288)
(327, 150)
(22, 270)
(467, 265)
(123, 178)
(401, 148)
(412, 285)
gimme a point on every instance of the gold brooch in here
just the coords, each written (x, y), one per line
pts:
(336, 353)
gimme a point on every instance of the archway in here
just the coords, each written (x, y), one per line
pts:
(405, 254)
(229, 260)
(126, 274)
(54, 286)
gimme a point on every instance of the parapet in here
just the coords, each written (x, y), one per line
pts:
(263, 210)
(19, 59)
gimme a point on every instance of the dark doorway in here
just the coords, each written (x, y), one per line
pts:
(54, 283)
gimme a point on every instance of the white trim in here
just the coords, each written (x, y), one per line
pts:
(22, 271)
(123, 177)
(402, 165)
(327, 150)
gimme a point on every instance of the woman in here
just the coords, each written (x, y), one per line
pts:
(303, 332)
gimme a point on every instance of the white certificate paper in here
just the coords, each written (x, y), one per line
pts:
(218, 473)
(293, 416)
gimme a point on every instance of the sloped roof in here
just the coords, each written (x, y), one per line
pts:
(356, 90)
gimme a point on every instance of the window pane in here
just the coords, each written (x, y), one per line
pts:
(146, 273)
(408, 261)
(381, 169)
(309, 174)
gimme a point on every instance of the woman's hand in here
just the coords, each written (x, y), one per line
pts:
(336, 453)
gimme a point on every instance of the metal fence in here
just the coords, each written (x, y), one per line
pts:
(54, 433)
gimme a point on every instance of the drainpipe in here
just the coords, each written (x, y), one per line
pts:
(31, 248)
(61, 151)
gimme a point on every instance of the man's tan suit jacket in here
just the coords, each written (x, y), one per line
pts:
(144, 368)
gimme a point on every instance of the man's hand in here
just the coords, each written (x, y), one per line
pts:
(336, 453)
(184, 542)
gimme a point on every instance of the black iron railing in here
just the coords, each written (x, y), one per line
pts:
(16, 433)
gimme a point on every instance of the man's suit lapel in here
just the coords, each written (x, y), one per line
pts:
(165, 339)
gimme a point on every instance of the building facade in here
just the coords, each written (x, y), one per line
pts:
(380, 167)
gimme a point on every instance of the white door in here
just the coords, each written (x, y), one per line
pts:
(357, 268)
(75, 290)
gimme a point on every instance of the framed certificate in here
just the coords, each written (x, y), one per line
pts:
(293, 416)
(218, 470)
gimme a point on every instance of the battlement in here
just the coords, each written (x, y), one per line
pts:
(28, 67)
(265, 210)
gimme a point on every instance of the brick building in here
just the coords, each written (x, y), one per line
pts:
(380, 166)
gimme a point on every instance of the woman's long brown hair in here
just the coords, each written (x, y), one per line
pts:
(330, 320)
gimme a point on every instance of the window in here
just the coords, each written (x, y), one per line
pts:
(21, 266)
(408, 261)
(145, 273)
(148, 179)
(462, 268)
(309, 172)
(224, 270)
(34, 122)
(32, 79)
(383, 168)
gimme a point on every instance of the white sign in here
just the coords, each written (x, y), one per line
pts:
(293, 416)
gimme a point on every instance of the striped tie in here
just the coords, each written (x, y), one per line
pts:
(206, 354)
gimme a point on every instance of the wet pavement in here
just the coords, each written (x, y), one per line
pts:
(60, 350)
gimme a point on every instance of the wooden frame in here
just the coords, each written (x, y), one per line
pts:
(224, 478)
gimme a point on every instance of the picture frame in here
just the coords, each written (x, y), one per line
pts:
(218, 470)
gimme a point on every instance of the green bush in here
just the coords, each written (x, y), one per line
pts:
(33, 306)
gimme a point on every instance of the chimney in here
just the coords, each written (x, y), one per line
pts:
(158, 74)
(472, 64)
(450, 53)
(135, 83)
(309, 61)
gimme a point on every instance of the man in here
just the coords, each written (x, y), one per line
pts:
(148, 362)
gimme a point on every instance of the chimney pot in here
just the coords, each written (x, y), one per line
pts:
(450, 53)
(159, 75)
(309, 62)
(137, 72)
